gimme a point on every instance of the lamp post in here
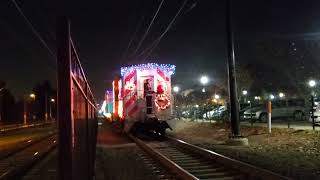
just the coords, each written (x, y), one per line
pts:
(52, 101)
(32, 96)
(176, 90)
(244, 93)
(312, 84)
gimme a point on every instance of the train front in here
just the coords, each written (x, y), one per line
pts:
(146, 97)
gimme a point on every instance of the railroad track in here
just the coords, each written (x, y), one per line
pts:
(15, 165)
(186, 161)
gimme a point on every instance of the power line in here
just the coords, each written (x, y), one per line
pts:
(132, 38)
(33, 29)
(157, 41)
(147, 31)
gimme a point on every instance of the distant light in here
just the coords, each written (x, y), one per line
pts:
(53, 100)
(312, 83)
(36, 153)
(271, 96)
(244, 92)
(281, 95)
(196, 106)
(257, 98)
(217, 96)
(176, 89)
(32, 95)
(249, 102)
(204, 80)
(203, 90)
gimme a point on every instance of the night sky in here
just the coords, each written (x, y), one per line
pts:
(103, 29)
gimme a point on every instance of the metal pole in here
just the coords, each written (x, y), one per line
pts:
(269, 115)
(233, 96)
(50, 110)
(64, 100)
(25, 110)
(312, 111)
(46, 105)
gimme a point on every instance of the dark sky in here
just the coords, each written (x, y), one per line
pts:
(103, 29)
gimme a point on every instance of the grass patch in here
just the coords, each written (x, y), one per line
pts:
(293, 153)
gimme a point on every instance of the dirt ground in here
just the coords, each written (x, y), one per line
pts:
(293, 153)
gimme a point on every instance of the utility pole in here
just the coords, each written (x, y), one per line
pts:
(233, 96)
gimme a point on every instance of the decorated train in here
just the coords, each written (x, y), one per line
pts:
(141, 99)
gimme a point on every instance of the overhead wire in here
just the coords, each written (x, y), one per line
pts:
(157, 41)
(132, 38)
(148, 29)
(35, 32)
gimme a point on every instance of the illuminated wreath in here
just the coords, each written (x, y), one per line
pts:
(162, 101)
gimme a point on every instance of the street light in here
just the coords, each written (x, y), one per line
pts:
(176, 89)
(271, 96)
(244, 92)
(312, 83)
(32, 95)
(50, 108)
(204, 80)
(281, 95)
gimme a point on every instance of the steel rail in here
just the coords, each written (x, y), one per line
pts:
(167, 163)
(179, 162)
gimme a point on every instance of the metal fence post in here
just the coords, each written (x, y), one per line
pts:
(64, 99)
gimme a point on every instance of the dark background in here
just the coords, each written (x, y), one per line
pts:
(195, 43)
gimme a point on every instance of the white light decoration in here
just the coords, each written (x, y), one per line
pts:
(167, 68)
(204, 80)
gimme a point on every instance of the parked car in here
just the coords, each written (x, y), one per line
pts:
(215, 113)
(295, 108)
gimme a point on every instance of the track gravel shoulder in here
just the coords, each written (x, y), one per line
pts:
(293, 153)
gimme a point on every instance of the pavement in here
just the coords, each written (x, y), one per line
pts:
(107, 138)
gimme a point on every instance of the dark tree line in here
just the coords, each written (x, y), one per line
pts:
(12, 110)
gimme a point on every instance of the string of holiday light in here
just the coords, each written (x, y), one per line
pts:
(167, 68)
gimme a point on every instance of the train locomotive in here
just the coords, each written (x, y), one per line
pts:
(142, 98)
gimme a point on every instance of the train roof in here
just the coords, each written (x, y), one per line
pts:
(167, 68)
